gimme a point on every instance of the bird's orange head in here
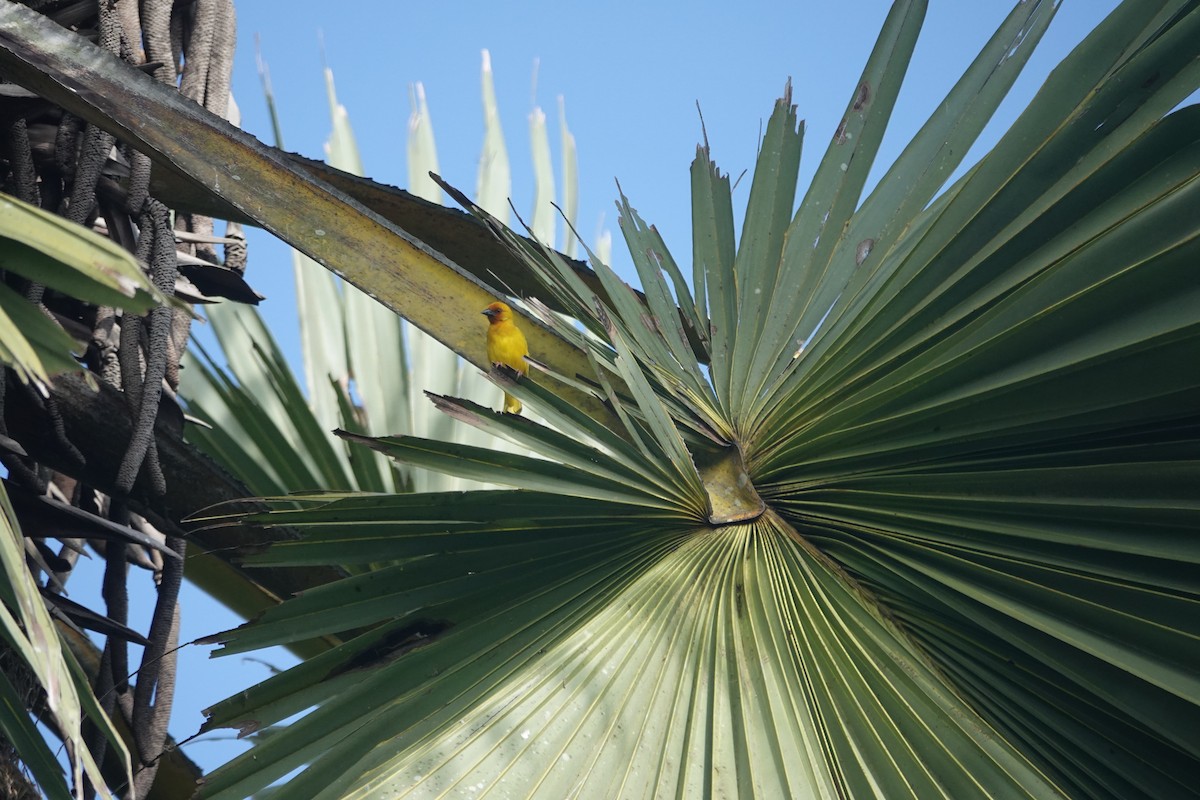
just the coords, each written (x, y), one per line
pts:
(498, 312)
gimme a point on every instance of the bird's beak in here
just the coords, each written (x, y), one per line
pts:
(487, 312)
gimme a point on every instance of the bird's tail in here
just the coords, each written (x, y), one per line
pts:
(511, 404)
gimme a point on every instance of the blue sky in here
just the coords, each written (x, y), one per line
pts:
(631, 75)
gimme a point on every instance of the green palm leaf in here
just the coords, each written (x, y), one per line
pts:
(925, 527)
(66, 257)
(31, 642)
(75, 261)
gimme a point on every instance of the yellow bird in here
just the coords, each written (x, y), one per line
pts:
(506, 345)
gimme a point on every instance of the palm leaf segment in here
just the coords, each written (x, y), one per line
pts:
(940, 540)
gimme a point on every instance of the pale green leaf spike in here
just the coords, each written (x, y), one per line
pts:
(604, 246)
(422, 151)
(544, 215)
(494, 184)
(341, 150)
(570, 180)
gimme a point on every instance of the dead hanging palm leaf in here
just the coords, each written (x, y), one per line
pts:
(68, 296)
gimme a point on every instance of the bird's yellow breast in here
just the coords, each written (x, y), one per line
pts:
(506, 345)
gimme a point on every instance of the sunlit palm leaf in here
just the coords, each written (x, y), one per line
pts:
(623, 707)
(962, 565)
